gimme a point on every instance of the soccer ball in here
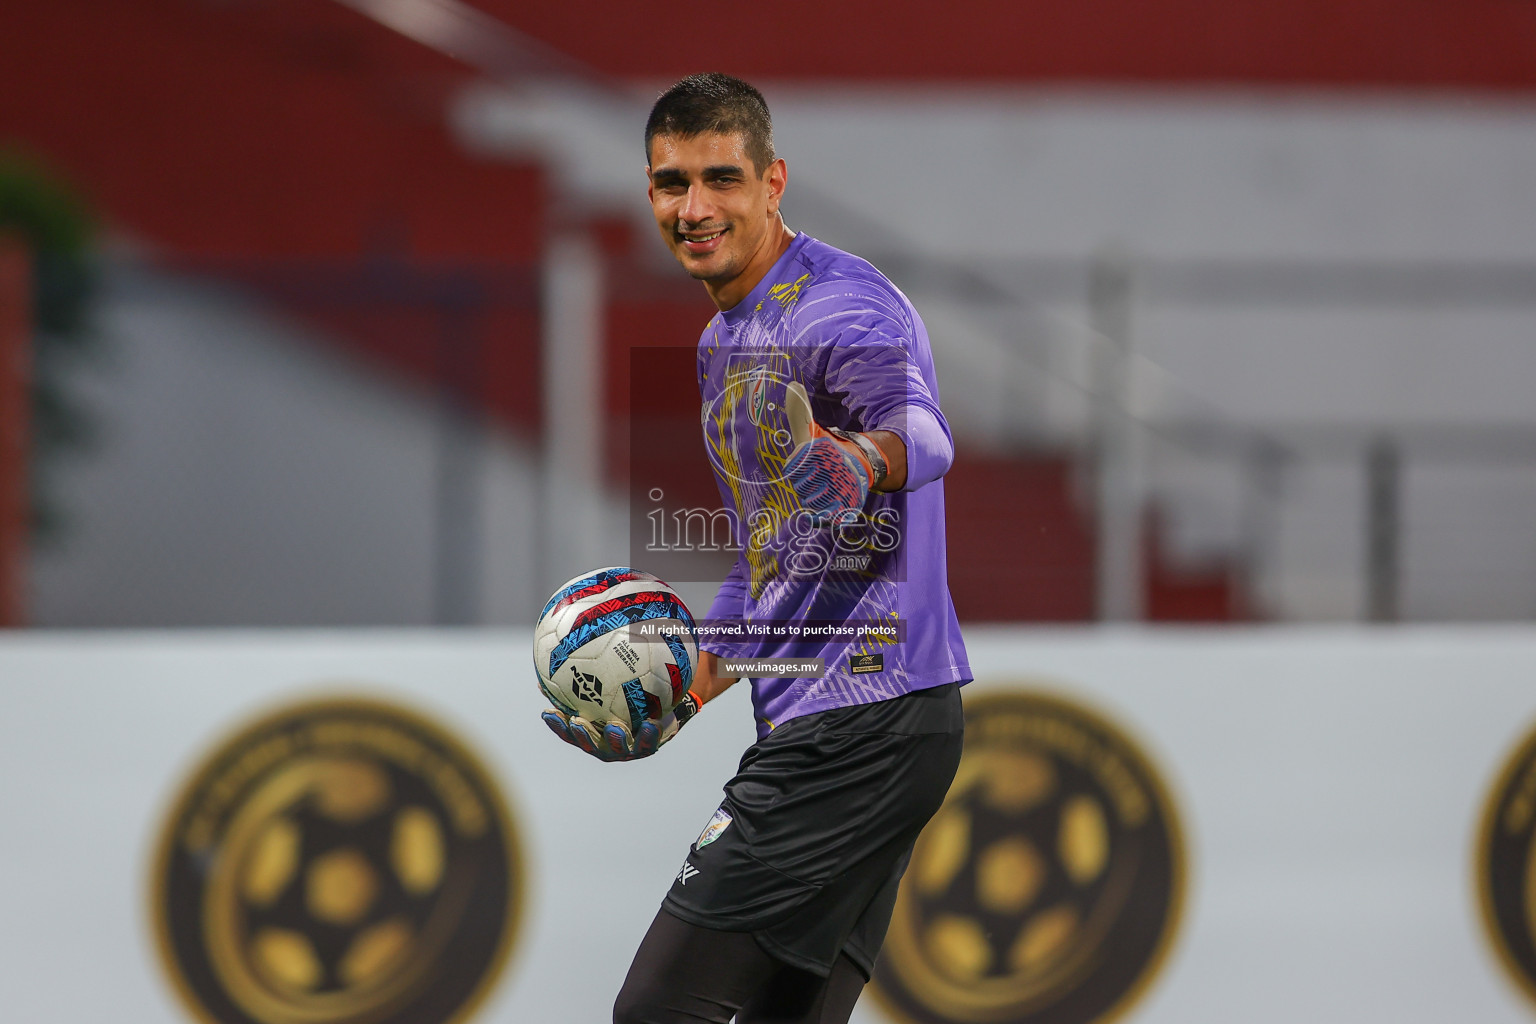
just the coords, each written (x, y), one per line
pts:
(615, 645)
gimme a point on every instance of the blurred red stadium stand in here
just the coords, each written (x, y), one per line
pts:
(298, 148)
(301, 149)
(15, 350)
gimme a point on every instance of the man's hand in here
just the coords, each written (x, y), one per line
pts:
(831, 471)
(610, 741)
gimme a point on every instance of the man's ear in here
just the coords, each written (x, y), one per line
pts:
(778, 180)
(650, 188)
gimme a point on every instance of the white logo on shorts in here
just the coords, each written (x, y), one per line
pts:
(686, 872)
(718, 824)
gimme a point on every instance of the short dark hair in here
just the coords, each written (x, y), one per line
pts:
(713, 102)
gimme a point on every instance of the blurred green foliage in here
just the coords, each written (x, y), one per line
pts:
(60, 228)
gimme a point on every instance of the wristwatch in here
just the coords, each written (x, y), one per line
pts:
(871, 452)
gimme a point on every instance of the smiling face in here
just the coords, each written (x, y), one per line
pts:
(717, 214)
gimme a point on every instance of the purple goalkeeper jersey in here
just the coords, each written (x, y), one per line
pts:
(869, 595)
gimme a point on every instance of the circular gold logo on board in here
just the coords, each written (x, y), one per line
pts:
(1506, 865)
(1047, 888)
(339, 862)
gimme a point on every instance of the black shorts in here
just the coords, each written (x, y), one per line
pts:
(808, 847)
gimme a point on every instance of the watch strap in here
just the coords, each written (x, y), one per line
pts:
(872, 453)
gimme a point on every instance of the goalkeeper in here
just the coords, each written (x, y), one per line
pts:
(822, 422)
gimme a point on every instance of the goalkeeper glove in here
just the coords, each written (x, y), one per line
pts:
(611, 741)
(831, 471)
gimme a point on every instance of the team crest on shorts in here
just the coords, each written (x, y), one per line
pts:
(1047, 888)
(1506, 865)
(338, 862)
(717, 824)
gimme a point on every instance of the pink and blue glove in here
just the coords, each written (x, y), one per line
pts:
(828, 470)
(611, 741)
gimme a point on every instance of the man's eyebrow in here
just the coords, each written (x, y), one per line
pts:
(713, 171)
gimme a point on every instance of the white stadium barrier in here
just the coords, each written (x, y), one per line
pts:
(1319, 797)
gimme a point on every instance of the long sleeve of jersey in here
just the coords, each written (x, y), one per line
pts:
(883, 388)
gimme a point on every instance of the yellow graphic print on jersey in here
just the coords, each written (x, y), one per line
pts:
(786, 294)
(777, 501)
(766, 502)
(722, 415)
